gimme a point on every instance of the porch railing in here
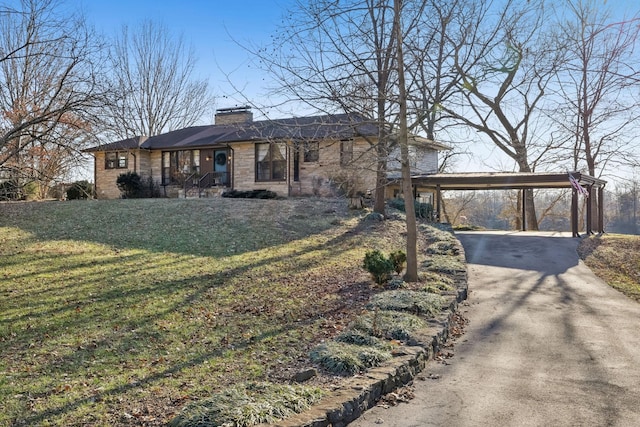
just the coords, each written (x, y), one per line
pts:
(208, 180)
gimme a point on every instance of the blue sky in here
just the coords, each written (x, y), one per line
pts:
(209, 26)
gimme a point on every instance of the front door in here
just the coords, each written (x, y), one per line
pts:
(220, 161)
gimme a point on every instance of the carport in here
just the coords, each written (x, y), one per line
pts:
(583, 184)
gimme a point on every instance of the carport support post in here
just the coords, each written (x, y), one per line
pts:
(589, 210)
(574, 213)
(600, 209)
(524, 210)
(438, 201)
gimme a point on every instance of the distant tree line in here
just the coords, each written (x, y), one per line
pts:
(496, 209)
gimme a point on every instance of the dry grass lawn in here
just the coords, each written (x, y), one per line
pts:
(615, 258)
(121, 312)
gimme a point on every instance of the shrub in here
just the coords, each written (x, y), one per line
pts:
(378, 266)
(10, 190)
(80, 190)
(422, 210)
(398, 258)
(130, 185)
(31, 190)
(150, 188)
(250, 194)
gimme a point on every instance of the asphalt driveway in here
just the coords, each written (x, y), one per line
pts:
(547, 344)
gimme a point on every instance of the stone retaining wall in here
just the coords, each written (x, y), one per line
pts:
(362, 392)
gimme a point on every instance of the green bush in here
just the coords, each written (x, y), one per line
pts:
(30, 190)
(130, 185)
(80, 190)
(422, 210)
(398, 258)
(150, 188)
(379, 266)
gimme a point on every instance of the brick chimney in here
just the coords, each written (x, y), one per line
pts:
(234, 115)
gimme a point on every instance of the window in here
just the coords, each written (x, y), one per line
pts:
(346, 151)
(311, 151)
(271, 163)
(116, 160)
(179, 165)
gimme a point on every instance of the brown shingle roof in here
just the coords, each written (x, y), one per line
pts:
(338, 126)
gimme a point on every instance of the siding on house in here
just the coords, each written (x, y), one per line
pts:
(423, 160)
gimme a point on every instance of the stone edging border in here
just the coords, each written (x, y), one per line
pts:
(362, 392)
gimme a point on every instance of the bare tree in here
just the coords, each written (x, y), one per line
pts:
(153, 85)
(47, 84)
(598, 87)
(340, 57)
(503, 93)
(347, 57)
(411, 273)
(434, 53)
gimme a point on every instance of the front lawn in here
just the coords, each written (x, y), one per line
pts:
(121, 312)
(615, 258)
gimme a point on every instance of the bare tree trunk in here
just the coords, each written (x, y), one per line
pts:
(411, 274)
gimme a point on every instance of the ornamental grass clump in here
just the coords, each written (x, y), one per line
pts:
(357, 337)
(341, 358)
(447, 247)
(445, 264)
(248, 404)
(416, 302)
(389, 324)
(436, 283)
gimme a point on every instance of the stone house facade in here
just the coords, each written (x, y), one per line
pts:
(319, 155)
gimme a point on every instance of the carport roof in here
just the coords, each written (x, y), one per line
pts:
(503, 180)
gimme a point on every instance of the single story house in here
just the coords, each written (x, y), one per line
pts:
(319, 155)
